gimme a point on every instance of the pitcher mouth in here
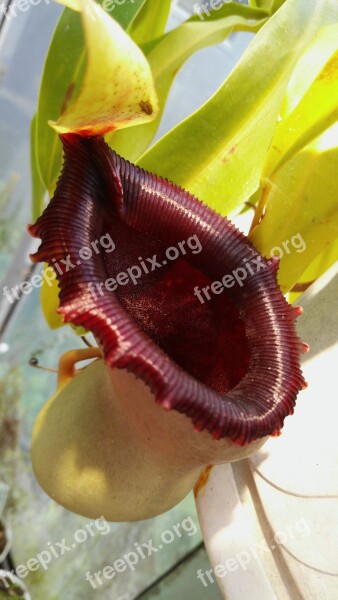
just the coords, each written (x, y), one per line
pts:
(182, 299)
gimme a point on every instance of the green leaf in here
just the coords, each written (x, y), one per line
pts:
(118, 89)
(316, 269)
(270, 5)
(62, 76)
(38, 188)
(276, 5)
(315, 110)
(167, 54)
(151, 21)
(49, 298)
(302, 201)
(223, 145)
(260, 4)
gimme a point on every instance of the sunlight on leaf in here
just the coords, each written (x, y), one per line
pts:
(168, 54)
(38, 188)
(271, 5)
(61, 81)
(317, 109)
(302, 201)
(172, 49)
(50, 301)
(118, 89)
(150, 21)
(276, 5)
(310, 64)
(316, 269)
(266, 4)
(223, 145)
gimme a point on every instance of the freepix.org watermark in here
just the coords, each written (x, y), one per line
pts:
(130, 560)
(110, 5)
(146, 266)
(204, 8)
(14, 9)
(250, 267)
(57, 549)
(62, 266)
(241, 560)
(11, 11)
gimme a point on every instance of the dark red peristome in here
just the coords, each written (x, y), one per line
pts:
(231, 364)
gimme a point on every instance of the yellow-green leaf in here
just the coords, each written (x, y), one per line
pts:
(316, 269)
(301, 209)
(167, 54)
(38, 188)
(150, 21)
(270, 5)
(266, 4)
(118, 89)
(314, 111)
(50, 299)
(61, 81)
(218, 153)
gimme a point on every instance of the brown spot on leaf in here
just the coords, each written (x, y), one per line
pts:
(146, 107)
(226, 158)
